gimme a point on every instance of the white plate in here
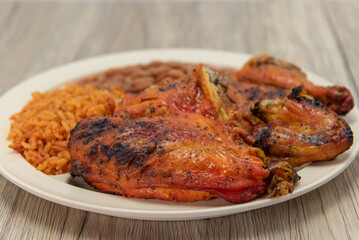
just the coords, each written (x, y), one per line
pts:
(63, 190)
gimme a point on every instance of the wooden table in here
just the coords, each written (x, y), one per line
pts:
(321, 37)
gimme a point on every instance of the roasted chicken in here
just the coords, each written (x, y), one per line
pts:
(264, 69)
(199, 92)
(167, 143)
(183, 157)
(201, 137)
(296, 129)
(204, 93)
(300, 130)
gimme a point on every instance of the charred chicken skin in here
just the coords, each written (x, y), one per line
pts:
(183, 157)
(299, 130)
(264, 69)
(244, 95)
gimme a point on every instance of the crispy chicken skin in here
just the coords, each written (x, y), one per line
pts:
(244, 92)
(268, 70)
(184, 157)
(244, 95)
(299, 130)
(199, 92)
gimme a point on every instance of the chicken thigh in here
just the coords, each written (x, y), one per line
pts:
(300, 130)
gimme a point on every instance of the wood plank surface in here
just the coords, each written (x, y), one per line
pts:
(319, 36)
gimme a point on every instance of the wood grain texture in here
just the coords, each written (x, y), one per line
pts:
(321, 37)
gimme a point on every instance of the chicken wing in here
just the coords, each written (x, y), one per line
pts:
(184, 157)
(268, 70)
(300, 130)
